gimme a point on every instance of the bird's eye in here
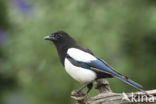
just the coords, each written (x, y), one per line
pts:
(58, 36)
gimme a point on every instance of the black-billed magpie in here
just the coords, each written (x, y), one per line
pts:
(81, 64)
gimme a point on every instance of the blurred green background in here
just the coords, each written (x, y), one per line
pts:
(122, 32)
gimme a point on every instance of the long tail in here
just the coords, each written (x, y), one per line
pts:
(104, 67)
(131, 82)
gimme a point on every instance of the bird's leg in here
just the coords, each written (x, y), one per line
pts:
(78, 92)
(88, 85)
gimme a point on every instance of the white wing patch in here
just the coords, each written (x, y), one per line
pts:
(78, 73)
(80, 55)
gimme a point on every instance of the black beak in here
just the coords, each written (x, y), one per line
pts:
(49, 38)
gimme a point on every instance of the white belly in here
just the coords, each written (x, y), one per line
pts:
(78, 73)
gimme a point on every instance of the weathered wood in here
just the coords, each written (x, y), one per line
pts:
(106, 96)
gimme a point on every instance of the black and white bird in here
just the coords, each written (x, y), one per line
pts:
(81, 64)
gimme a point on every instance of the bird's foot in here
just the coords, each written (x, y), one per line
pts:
(78, 95)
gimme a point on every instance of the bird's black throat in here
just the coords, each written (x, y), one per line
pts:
(63, 46)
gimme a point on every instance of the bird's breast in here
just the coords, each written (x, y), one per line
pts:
(78, 73)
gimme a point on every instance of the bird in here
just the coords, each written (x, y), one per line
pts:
(81, 63)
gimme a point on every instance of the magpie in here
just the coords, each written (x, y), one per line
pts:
(82, 65)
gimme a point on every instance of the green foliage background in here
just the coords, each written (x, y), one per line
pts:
(122, 32)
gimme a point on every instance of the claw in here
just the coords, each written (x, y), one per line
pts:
(77, 93)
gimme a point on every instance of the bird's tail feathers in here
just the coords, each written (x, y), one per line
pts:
(129, 81)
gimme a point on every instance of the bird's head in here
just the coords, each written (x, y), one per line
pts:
(60, 38)
(57, 36)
